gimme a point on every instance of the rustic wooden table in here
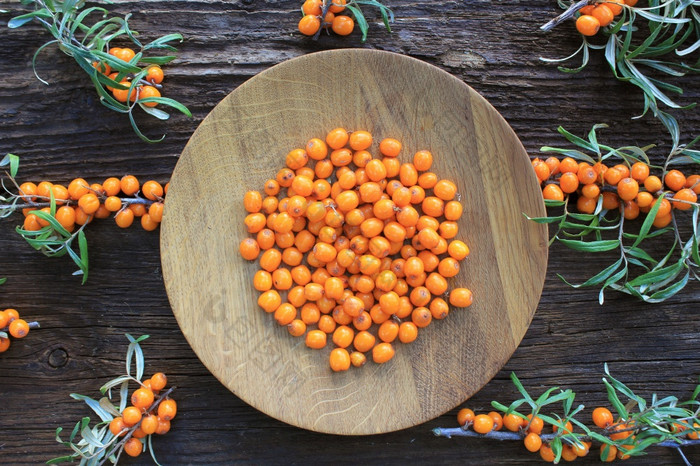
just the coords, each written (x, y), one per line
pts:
(61, 131)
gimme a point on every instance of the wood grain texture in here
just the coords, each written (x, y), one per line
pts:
(60, 131)
(243, 142)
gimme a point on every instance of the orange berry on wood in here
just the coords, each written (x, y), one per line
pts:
(309, 25)
(603, 14)
(465, 416)
(587, 25)
(343, 25)
(339, 359)
(19, 328)
(167, 409)
(483, 424)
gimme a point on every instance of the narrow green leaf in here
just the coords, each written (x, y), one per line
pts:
(94, 405)
(21, 20)
(615, 401)
(590, 246)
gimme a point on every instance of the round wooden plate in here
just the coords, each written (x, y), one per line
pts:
(244, 141)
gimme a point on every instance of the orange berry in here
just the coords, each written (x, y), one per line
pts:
(391, 147)
(587, 25)
(615, 6)
(603, 14)
(513, 422)
(546, 453)
(339, 359)
(568, 182)
(382, 352)
(687, 195)
(133, 447)
(142, 398)
(465, 416)
(309, 25)
(158, 381)
(627, 189)
(129, 185)
(117, 427)
(533, 442)
(602, 417)
(483, 424)
(337, 6)
(675, 180)
(167, 409)
(342, 25)
(154, 74)
(19, 328)
(131, 416)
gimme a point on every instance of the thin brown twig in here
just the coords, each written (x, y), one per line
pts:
(566, 15)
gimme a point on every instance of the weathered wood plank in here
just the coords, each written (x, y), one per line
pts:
(60, 131)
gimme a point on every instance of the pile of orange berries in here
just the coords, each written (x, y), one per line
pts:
(10, 323)
(630, 188)
(313, 18)
(148, 88)
(600, 14)
(80, 202)
(148, 414)
(355, 243)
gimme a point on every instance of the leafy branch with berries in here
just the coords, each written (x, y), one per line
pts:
(319, 15)
(599, 195)
(55, 216)
(639, 41)
(123, 428)
(640, 424)
(124, 79)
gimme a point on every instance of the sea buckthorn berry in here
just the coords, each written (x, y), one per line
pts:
(390, 147)
(156, 211)
(423, 160)
(342, 25)
(249, 249)
(111, 186)
(269, 300)
(602, 417)
(31, 223)
(513, 422)
(60, 193)
(339, 359)
(408, 332)
(167, 409)
(586, 175)
(113, 203)
(465, 416)
(382, 352)
(639, 170)
(587, 25)
(610, 201)
(316, 339)
(603, 14)
(337, 138)
(536, 424)
(19, 328)
(687, 195)
(133, 447)
(89, 203)
(586, 205)
(675, 180)
(158, 381)
(117, 427)
(358, 359)
(627, 189)
(546, 453)
(337, 6)
(309, 25)
(4, 344)
(613, 176)
(296, 328)
(445, 190)
(131, 416)
(142, 398)
(615, 6)
(591, 191)
(76, 189)
(124, 218)
(138, 209)
(553, 192)
(693, 182)
(568, 182)
(483, 424)
(586, 10)
(532, 442)
(65, 215)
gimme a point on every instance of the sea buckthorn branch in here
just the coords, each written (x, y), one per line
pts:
(324, 14)
(625, 185)
(123, 428)
(670, 24)
(110, 68)
(53, 211)
(664, 422)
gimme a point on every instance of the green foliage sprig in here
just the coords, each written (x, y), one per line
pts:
(88, 41)
(635, 272)
(658, 422)
(52, 240)
(97, 445)
(642, 42)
